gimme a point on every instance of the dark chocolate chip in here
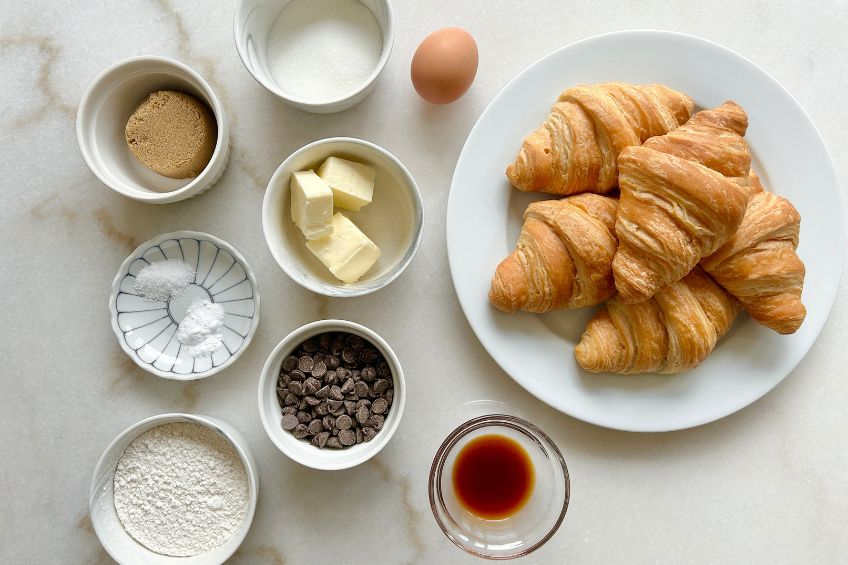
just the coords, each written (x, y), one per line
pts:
(289, 422)
(305, 364)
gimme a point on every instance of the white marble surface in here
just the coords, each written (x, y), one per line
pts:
(764, 485)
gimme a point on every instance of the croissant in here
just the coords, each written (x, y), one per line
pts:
(759, 266)
(680, 200)
(563, 257)
(576, 148)
(673, 331)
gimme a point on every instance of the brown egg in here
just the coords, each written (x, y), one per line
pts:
(444, 65)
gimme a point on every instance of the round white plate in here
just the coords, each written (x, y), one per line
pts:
(147, 331)
(484, 219)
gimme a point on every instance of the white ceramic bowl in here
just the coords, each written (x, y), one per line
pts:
(122, 547)
(102, 117)
(146, 331)
(301, 451)
(251, 27)
(393, 220)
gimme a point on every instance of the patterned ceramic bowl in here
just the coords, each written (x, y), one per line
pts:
(147, 330)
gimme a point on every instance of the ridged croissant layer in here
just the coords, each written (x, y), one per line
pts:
(669, 333)
(576, 149)
(563, 257)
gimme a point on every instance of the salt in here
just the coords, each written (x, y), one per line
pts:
(323, 49)
(163, 280)
(198, 330)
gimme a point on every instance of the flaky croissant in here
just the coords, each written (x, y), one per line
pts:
(576, 148)
(673, 331)
(680, 200)
(563, 257)
(759, 266)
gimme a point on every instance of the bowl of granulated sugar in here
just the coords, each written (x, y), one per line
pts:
(174, 488)
(320, 56)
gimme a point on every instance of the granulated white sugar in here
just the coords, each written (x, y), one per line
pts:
(163, 280)
(323, 49)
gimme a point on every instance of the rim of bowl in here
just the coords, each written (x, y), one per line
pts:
(85, 117)
(116, 285)
(438, 463)
(270, 422)
(215, 424)
(388, 45)
(334, 290)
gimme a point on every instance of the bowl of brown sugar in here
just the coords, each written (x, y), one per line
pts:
(152, 129)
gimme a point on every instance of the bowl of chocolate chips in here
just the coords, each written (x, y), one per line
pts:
(331, 394)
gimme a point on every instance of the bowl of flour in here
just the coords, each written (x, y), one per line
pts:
(174, 488)
(320, 56)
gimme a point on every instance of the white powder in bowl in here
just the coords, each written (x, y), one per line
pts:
(198, 330)
(163, 280)
(322, 50)
(180, 489)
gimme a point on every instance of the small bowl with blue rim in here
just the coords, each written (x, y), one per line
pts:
(147, 329)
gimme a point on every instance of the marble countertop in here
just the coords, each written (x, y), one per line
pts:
(764, 485)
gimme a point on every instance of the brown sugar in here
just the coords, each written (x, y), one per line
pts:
(172, 133)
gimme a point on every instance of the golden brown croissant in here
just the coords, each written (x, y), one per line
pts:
(563, 257)
(576, 149)
(759, 266)
(673, 331)
(680, 200)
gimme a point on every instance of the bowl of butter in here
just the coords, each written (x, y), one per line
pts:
(342, 217)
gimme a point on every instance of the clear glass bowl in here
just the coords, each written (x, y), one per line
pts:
(530, 527)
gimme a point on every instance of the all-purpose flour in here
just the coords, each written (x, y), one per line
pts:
(180, 489)
(323, 49)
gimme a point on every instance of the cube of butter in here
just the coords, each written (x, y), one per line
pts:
(347, 252)
(352, 183)
(311, 204)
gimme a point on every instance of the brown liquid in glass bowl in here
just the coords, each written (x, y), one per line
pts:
(493, 476)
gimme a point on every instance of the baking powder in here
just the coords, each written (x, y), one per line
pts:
(323, 49)
(198, 330)
(180, 489)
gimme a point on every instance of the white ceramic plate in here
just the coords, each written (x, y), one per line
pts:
(147, 331)
(484, 218)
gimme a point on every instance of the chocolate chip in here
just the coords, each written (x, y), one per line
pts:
(347, 437)
(322, 409)
(389, 395)
(305, 364)
(303, 417)
(300, 431)
(311, 400)
(359, 437)
(360, 389)
(332, 361)
(289, 410)
(344, 422)
(336, 393)
(310, 346)
(368, 433)
(282, 391)
(290, 399)
(381, 386)
(311, 385)
(315, 427)
(328, 422)
(379, 406)
(347, 386)
(297, 375)
(362, 414)
(348, 355)
(296, 387)
(289, 422)
(319, 369)
(284, 380)
(330, 378)
(324, 341)
(369, 374)
(335, 404)
(289, 363)
(376, 421)
(334, 443)
(323, 392)
(350, 407)
(322, 438)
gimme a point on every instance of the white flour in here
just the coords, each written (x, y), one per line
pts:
(323, 49)
(180, 489)
(198, 330)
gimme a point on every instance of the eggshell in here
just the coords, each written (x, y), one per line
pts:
(444, 65)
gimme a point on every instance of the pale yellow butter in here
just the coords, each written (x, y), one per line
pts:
(347, 252)
(352, 183)
(311, 204)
